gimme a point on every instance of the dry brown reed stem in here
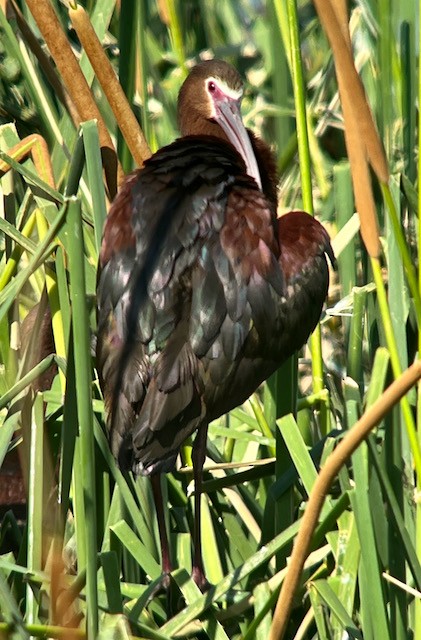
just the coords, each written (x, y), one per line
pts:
(75, 83)
(356, 147)
(334, 462)
(4, 6)
(163, 12)
(41, 157)
(353, 86)
(34, 145)
(44, 62)
(107, 78)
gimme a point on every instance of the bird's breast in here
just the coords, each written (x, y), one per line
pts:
(247, 236)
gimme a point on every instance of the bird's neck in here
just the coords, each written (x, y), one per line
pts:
(267, 168)
(197, 125)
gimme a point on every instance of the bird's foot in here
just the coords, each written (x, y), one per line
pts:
(200, 579)
(165, 581)
(159, 586)
(169, 593)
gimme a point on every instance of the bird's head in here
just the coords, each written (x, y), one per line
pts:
(209, 103)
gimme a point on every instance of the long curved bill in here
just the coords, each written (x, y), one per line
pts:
(229, 118)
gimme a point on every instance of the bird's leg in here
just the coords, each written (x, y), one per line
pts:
(198, 457)
(159, 506)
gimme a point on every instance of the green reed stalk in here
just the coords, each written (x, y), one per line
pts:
(395, 362)
(417, 621)
(83, 377)
(306, 185)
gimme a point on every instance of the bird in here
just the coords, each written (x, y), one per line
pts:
(203, 292)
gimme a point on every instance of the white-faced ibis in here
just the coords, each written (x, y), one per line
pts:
(203, 292)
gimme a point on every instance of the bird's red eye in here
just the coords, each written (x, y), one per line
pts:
(211, 86)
